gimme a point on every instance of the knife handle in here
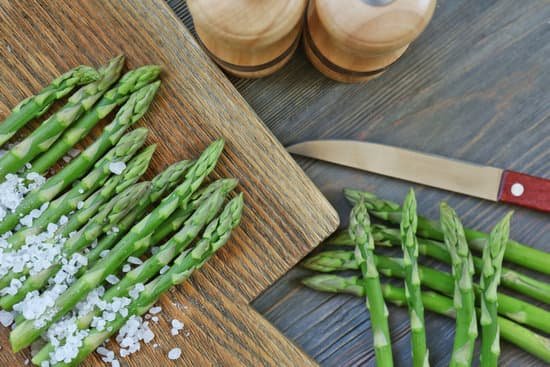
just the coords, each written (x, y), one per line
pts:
(525, 190)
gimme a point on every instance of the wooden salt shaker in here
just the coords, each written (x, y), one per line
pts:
(356, 40)
(248, 38)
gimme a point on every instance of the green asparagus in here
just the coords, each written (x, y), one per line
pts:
(516, 309)
(517, 253)
(223, 186)
(107, 217)
(510, 278)
(69, 201)
(516, 334)
(132, 111)
(165, 181)
(27, 332)
(215, 236)
(122, 152)
(128, 84)
(464, 301)
(38, 104)
(493, 254)
(47, 133)
(167, 252)
(135, 169)
(409, 245)
(359, 231)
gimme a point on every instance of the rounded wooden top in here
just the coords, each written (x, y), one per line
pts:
(375, 25)
(242, 21)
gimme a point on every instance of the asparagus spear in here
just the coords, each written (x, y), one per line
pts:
(172, 248)
(27, 332)
(69, 201)
(199, 200)
(462, 269)
(38, 104)
(132, 111)
(93, 203)
(359, 231)
(510, 279)
(409, 245)
(108, 216)
(516, 334)
(128, 84)
(165, 181)
(215, 236)
(516, 252)
(516, 309)
(45, 135)
(493, 254)
(122, 152)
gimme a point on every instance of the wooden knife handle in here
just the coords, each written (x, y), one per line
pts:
(525, 190)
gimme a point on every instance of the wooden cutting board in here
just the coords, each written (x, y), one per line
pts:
(285, 217)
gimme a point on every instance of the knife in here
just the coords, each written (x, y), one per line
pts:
(484, 182)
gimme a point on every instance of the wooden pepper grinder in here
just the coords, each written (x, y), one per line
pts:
(356, 40)
(248, 38)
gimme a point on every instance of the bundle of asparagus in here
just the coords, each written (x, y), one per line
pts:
(499, 313)
(68, 242)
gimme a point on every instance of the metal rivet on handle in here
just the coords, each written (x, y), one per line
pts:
(517, 189)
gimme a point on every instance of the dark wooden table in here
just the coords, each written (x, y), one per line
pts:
(474, 86)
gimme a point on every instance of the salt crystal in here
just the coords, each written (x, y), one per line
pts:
(102, 351)
(115, 363)
(104, 253)
(115, 229)
(136, 290)
(134, 260)
(164, 269)
(177, 324)
(6, 318)
(79, 205)
(117, 167)
(155, 345)
(155, 310)
(155, 319)
(112, 279)
(174, 353)
(126, 268)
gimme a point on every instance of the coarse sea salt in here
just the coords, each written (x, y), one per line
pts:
(14, 188)
(132, 333)
(112, 279)
(135, 260)
(155, 310)
(177, 325)
(174, 353)
(6, 318)
(117, 167)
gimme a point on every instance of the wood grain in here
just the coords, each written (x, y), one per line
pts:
(353, 40)
(249, 38)
(285, 217)
(473, 86)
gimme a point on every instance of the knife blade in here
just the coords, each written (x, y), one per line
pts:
(475, 180)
